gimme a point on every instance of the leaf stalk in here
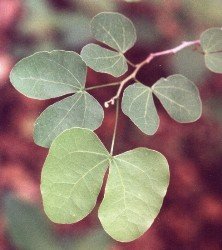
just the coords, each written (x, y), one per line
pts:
(115, 127)
(138, 66)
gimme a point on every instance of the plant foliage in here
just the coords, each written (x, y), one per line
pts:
(73, 172)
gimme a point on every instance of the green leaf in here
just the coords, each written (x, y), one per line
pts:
(214, 62)
(104, 60)
(115, 30)
(47, 75)
(211, 42)
(73, 175)
(137, 183)
(27, 227)
(180, 97)
(80, 110)
(138, 105)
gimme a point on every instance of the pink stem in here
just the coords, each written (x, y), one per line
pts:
(146, 61)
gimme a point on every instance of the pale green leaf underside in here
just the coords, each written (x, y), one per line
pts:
(136, 186)
(104, 60)
(115, 30)
(180, 97)
(80, 110)
(138, 105)
(47, 75)
(72, 175)
(213, 62)
(211, 42)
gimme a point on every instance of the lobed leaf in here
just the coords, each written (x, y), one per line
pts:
(80, 110)
(138, 105)
(180, 97)
(72, 175)
(211, 42)
(104, 60)
(47, 75)
(115, 30)
(137, 183)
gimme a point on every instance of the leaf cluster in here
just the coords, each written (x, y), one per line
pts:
(73, 172)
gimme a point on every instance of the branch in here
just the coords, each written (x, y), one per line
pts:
(183, 45)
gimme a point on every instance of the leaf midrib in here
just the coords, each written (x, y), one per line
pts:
(48, 136)
(104, 57)
(172, 101)
(114, 40)
(80, 86)
(172, 87)
(48, 81)
(82, 177)
(144, 172)
(137, 98)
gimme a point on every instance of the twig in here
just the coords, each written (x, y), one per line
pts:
(184, 44)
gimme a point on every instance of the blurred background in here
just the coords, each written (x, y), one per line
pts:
(191, 216)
